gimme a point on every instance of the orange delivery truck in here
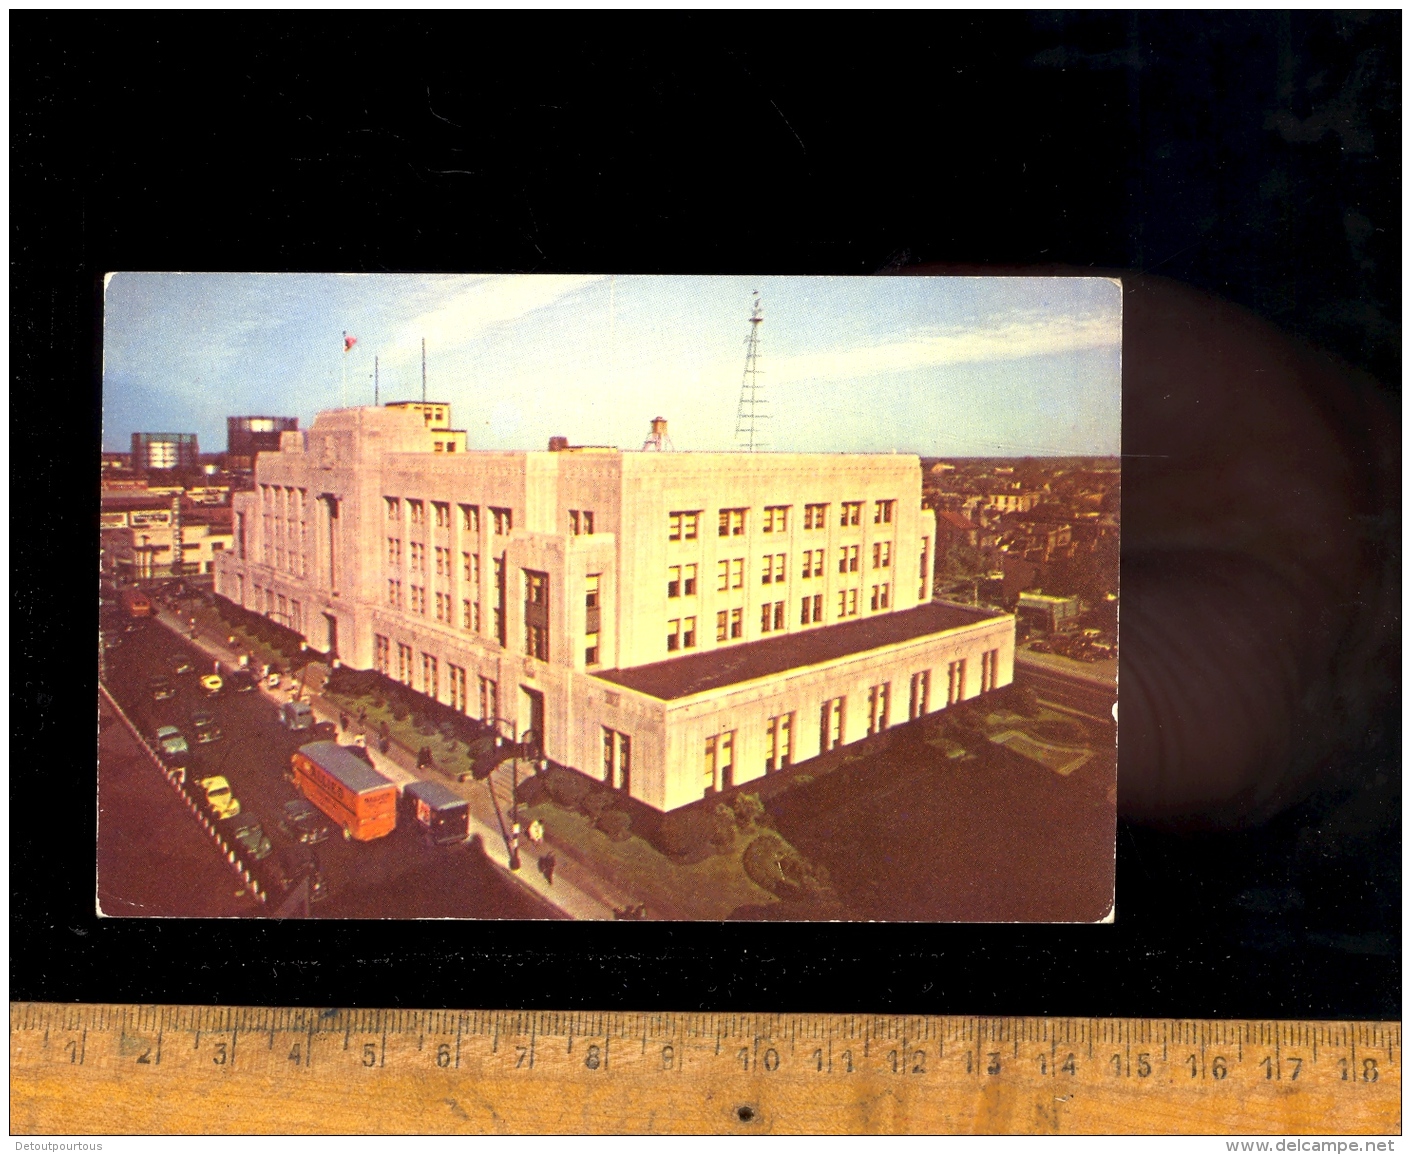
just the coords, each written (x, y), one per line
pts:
(353, 794)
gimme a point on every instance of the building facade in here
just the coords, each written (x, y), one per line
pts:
(245, 437)
(162, 452)
(670, 623)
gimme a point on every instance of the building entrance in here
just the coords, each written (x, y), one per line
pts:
(534, 701)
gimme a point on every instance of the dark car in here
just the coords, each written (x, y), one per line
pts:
(181, 664)
(252, 839)
(161, 689)
(241, 681)
(204, 728)
(291, 866)
(304, 822)
(324, 732)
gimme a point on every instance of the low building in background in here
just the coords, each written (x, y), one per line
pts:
(671, 624)
(1048, 612)
(138, 529)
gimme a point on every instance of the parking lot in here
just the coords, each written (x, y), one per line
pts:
(397, 876)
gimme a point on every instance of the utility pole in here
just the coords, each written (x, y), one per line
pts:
(423, 370)
(376, 398)
(751, 411)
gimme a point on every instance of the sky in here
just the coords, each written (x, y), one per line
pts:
(937, 366)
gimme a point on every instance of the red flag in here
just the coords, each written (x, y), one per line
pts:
(348, 342)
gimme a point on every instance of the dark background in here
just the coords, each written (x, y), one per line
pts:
(1253, 155)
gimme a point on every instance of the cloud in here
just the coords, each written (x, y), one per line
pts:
(1032, 336)
(489, 302)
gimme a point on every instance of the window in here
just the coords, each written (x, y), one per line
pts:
(688, 580)
(296, 617)
(469, 610)
(580, 521)
(684, 525)
(719, 762)
(989, 670)
(925, 560)
(470, 568)
(442, 610)
(737, 623)
(617, 759)
(882, 513)
(688, 633)
(878, 704)
(955, 688)
(590, 650)
(417, 553)
(732, 522)
(737, 573)
(815, 516)
(443, 568)
(812, 566)
(430, 682)
(778, 615)
(536, 642)
(724, 574)
(458, 695)
(590, 590)
(416, 510)
(847, 603)
(776, 519)
(847, 559)
(443, 514)
(536, 614)
(779, 567)
(503, 519)
(381, 654)
(394, 593)
(404, 664)
(394, 508)
(394, 551)
(852, 513)
(766, 616)
(780, 743)
(470, 518)
(772, 568)
(830, 727)
(418, 599)
(536, 588)
(920, 694)
(881, 595)
(805, 611)
(673, 581)
(722, 628)
(673, 635)
(489, 700)
(881, 554)
(817, 607)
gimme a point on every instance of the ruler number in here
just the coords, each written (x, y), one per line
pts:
(771, 1060)
(1143, 1066)
(443, 1054)
(744, 1057)
(146, 1056)
(295, 1054)
(901, 1063)
(594, 1058)
(668, 1057)
(72, 1048)
(219, 1058)
(1297, 1066)
(1218, 1068)
(847, 1060)
(369, 1054)
(1370, 1074)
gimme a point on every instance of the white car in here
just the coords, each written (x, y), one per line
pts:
(172, 743)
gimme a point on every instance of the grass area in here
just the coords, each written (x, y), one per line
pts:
(450, 755)
(704, 891)
(1060, 759)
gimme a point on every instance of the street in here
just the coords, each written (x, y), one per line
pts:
(398, 876)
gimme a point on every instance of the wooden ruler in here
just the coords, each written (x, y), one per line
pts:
(79, 1069)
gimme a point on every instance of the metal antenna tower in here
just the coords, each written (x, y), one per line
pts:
(749, 429)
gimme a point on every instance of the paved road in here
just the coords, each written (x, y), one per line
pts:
(1090, 697)
(398, 876)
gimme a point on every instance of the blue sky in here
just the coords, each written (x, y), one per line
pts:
(930, 365)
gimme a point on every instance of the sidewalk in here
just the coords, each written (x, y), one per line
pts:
(576, 889)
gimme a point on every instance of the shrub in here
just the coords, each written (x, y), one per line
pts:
(748, 810)
(595, 802)
(399, 710)
(616, 824)
(773, 864)
(566, 787)
(694, 833)
(532, 791)
(1024, 701)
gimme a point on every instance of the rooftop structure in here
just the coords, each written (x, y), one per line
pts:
(672, 624)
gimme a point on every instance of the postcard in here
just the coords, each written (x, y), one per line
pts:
(609, 597)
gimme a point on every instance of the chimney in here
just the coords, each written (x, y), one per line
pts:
(558, 444)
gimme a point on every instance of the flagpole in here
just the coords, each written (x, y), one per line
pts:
(343, 387)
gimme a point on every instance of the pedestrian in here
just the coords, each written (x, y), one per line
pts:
(536, 831)
(547, 862)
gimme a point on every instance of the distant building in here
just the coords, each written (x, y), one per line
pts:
(247, 436)
(1048, 612)
(137, 531)
(670, 624)
(156, 452)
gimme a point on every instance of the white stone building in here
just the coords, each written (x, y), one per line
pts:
(670, 623)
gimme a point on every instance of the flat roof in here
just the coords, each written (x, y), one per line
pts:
(727, 665)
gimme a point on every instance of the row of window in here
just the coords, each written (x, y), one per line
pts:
(416, 513)
(684, 524)
(407, 670)
(286, 611)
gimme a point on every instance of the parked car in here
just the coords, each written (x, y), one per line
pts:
(204, 728)
(173, 746)
(1040, 647)
(291, 866)
(161, 689)
(212, 683)
(223, 804)
(241, 681)
(304, 822)
(250, 835)
(296, 715)
(181, 664)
